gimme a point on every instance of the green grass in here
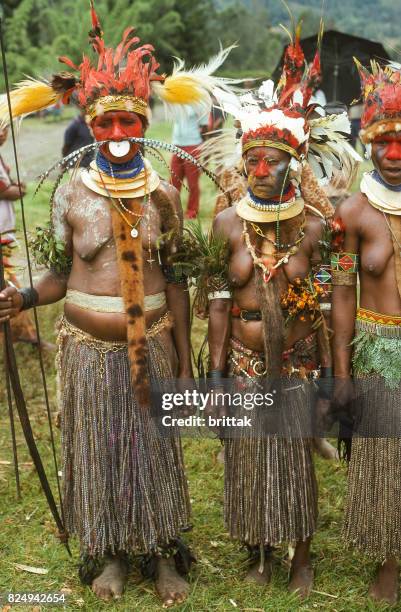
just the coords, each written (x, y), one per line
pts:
(27, 532)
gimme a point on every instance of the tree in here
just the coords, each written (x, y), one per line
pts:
(258, 47)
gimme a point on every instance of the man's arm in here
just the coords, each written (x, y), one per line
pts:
(219, 330)
(178, 302)
(344, 300)
(316, 230)
(13, 192)
(203, 123)
(51, 287)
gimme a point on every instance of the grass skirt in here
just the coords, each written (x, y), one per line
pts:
(124, 485)
(372, 521)
(270, 484)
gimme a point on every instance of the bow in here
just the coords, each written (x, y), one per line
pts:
(11, 369)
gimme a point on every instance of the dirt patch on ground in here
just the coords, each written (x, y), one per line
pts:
(39, 146)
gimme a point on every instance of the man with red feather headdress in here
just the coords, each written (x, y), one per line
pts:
(367, 338)
(126, 314)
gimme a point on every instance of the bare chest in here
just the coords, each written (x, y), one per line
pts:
(91, 222)
(376, 248)
(243, 259)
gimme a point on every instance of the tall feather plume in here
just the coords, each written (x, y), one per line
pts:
(193, 88)
(329, 148)
(96, 31)
(223, 150)
(29, 96)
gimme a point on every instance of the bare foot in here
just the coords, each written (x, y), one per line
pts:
(256, 577)
(386, 583)
(170, 586)
(325, 449)
(301, 580)
(111, 582)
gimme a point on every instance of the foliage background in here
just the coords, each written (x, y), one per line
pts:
(38, 31)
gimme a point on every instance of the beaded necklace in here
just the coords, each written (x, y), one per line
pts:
(134, 231)
(126, 170)
(280, 245)
(258, 261)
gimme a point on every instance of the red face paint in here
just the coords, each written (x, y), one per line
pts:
(117, 126)
(393, 150)
(386, 157)
(262, 168)
(267, 171)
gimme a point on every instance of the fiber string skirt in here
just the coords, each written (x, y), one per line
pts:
(270, 484)
(124, 485)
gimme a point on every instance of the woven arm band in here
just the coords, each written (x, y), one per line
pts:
(219, 288)
(175, 275)
(344, 268)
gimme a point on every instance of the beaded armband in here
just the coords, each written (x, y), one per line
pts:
(322, 279)
(344, 268)
(174, 274)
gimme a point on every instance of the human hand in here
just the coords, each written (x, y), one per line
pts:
(185, 382)
(344, 391)
(22, 187)
(10, 303)
(323, 415)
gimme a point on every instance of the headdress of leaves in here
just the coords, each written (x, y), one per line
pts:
(202, 256)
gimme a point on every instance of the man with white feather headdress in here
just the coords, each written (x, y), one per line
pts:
(266, 327)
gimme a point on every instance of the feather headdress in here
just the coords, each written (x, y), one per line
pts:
(283, 117)
(381, 94)
(121, 79)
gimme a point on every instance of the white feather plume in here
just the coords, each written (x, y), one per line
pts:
(193, 88)
(223, 150)
(329, 148)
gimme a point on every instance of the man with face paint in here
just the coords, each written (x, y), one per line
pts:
(126, 319)
(367, 337)
(272, 236)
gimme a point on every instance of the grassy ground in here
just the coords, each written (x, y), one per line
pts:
(27, 533)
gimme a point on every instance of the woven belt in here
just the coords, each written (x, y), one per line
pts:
(246, 315)
(386, 326)
(111, 304)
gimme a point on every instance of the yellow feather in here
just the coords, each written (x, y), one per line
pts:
(28, 97)
(182, 89)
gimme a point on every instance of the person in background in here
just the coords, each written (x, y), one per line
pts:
(21, 326)
(188, 134)
(216, 120)
(78, 135)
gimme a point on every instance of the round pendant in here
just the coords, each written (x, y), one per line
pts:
(134, 232)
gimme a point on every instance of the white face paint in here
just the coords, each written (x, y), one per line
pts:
(119, 149)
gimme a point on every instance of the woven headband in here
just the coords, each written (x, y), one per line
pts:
(114, 103)
(275, 144)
